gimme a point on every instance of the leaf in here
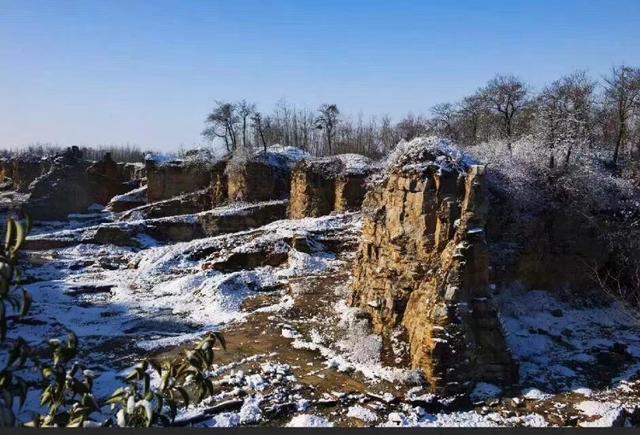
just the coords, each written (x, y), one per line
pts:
(19, 237)
(26, 303)
(221, 340)
(8, 238)
(23, 389)
(185, 396)
(155, 365)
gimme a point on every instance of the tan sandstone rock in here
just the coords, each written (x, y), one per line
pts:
(423, 264)
(166, 179)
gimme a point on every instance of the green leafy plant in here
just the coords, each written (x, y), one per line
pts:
(67, 392)
(12, 386)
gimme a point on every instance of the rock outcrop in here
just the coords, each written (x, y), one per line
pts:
(106, 180)
(322, 185)
(351, 184)
(423, 265)
(26, 168)
(128, 200)
(188, 203)
(223, 220)
(313, 187)
(166, 179)
(6, 169)
(261, 176)
(64, 189)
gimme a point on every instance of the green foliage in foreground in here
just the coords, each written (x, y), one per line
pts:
(67, 391)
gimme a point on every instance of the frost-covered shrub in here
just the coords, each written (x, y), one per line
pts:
(524, 184)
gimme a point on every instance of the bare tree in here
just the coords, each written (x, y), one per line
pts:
(564, 115)
(507, 96)
(472, 110)
(327, 120)
(445, 119)
(222, 124)
(256, 123)
(622, 95)
(244, 112)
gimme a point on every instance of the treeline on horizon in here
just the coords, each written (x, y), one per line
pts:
(120, 153)
(571, 116)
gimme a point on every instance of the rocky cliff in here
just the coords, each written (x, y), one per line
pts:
(166, 179)
(322, 185)
(423, 265)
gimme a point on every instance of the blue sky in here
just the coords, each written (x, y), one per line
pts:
(146, 72)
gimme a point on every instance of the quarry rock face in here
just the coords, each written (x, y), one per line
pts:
(423, 265)
(262, 176)
(26, 168)
(320, 186)
(219, 183)
(351, 184)
(555, 248)
(168, 179)
(106, 180)
(313, 191)
(187, 203)
(6, 169)
(64, 189)
(131, 171)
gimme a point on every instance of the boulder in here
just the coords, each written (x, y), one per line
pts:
(423, 266)
(64, 189)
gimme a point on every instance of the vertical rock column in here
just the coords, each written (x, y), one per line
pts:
(423, 265)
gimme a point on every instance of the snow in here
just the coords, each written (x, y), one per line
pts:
(356, 164)
(292, 153)
(555, 352)
(135, 195)
(250, 412)
(606, 413)
(362, 413)
(483, 391)
(309, 420)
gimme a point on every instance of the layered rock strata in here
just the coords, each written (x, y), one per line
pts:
(423, 265)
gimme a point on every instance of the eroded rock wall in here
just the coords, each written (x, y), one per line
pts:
(423, 265)
(25, 170)
(313, 187)
(259, 177)
(168, 179)
(106, 180)
(64, 189)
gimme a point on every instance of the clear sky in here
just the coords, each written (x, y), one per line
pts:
(146, 72)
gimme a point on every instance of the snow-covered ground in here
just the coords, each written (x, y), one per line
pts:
(298, 355)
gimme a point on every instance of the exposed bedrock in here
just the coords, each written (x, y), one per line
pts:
(322, 185)
(423, 265)
(221, 220)
(107, 179)
(64, 189)
(261, 176)
(25, 169)
(553, 247)
(187, 203)
(168, 179)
